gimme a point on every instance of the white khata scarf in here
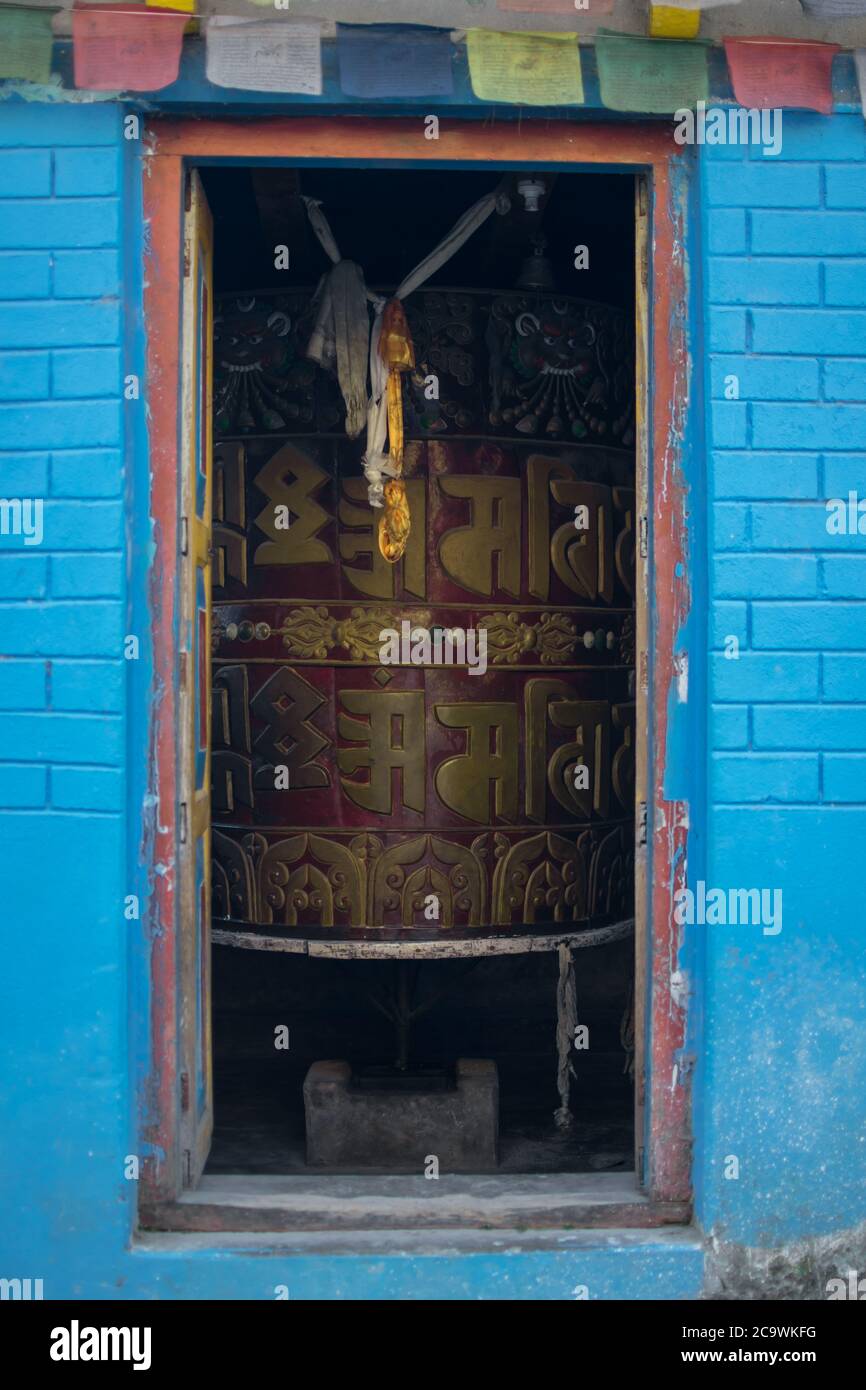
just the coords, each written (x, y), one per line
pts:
(342, 338)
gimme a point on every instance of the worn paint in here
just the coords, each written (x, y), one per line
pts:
(162, 308)
(669, 1118)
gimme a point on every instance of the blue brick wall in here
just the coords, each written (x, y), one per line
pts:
(61, 417)
(782, 1054)
(64, 728)
(779, 288)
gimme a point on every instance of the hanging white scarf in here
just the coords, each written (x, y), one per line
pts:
(342, 324)
(340, 340)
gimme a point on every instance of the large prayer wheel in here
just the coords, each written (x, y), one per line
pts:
(357, 794)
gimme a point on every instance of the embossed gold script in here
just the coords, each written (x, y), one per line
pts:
(392, 731)
(466, 552)
(298, 543)
(464, 782)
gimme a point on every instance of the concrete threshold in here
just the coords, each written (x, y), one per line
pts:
(398, 1202)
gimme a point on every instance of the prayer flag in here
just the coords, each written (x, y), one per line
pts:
(384, 61)
(188, 6)
(25, 44)
(264, 55)
(834, 9)
(527, 69)
(674, 22)
(775, 72)
(126, 48)
(658, 76)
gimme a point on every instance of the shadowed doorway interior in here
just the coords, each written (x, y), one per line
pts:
(407, 784)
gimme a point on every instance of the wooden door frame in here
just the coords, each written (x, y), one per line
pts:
(642, 149)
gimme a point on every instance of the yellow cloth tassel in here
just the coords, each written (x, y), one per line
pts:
(395, 522)
(670, 22)
(398, 352)
(395, 417)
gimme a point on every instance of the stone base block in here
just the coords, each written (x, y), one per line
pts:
(357, 1128)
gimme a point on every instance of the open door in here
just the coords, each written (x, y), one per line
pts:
(196, 504)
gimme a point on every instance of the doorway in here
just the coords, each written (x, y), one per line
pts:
(664, 1171)
(519, 419)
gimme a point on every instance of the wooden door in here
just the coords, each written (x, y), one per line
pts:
(195, 542)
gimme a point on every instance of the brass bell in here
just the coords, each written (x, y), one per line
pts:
(536, 273)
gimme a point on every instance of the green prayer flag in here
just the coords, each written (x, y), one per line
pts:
(658, 76)
(25, 44)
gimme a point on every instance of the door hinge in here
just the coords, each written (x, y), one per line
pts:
(644, 537)
(642, 196)
(641, 824)
(187, 1168)
(182, 820)
(184, 535)
(187, 259)
(184, 1092)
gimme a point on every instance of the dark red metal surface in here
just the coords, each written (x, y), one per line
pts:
(362, 789)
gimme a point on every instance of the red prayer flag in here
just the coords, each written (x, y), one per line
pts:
(771, 72)
(126, 48)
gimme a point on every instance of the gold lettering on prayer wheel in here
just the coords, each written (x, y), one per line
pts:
(389, 738)
(489, 763)
(455, 718)
(466, 553)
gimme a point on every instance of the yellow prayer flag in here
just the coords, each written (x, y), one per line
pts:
(526, 69)
(187, 6)
(671, 22)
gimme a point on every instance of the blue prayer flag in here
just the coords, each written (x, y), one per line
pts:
(384, 61)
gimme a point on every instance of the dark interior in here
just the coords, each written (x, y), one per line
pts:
(501, 1008)
(389, 220)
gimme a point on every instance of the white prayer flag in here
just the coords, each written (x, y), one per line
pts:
(264, 56)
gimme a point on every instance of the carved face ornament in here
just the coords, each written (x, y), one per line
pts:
(554, 348)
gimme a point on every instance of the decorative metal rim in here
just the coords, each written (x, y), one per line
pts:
(472, 943)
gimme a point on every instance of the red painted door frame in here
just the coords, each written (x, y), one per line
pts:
(639, 148)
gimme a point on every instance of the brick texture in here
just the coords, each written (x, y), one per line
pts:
(62, 686)
(785, 277)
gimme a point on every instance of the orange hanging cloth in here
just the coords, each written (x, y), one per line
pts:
(398, 353)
